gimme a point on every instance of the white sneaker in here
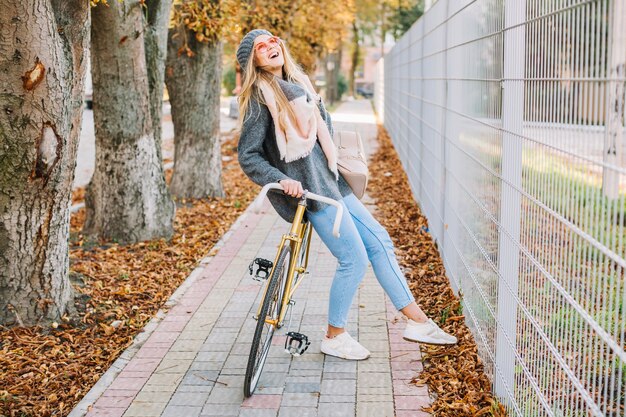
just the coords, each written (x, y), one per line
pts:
(427, 332)
(344, 346)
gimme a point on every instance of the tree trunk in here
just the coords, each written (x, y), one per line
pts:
(155, 39)
(127, 199)
(337, 69)
(332, 71)
(42, 71)
(355, 59)
(194, 85)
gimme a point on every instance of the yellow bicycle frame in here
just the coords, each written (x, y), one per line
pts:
(295, 239)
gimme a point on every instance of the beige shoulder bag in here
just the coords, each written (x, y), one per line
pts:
(351, 161)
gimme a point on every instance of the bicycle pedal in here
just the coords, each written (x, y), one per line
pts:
(296, 343)
(263, 269)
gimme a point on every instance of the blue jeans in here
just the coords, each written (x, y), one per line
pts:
(362, 239)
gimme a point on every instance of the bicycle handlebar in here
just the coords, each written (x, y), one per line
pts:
(258, 203)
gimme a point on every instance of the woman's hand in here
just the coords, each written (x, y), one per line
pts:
(292, 188)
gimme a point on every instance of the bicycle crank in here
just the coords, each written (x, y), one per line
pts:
(296, 343)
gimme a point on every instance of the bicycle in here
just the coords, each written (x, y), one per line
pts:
(283, 277)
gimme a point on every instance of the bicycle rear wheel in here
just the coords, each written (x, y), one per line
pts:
(264, 332)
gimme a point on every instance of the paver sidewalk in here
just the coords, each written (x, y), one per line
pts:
(193, 361)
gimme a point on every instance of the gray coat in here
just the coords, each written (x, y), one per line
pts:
(260, 159)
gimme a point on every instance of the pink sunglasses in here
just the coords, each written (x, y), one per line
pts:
(262, 47)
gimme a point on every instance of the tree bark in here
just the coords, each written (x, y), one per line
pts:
(194, 85)
(155, 39)
(42, 67)
(127, 199)
(355, 58)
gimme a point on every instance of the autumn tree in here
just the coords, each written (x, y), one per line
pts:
(194, 78)
(156, 21)
(364, 23)
(127, 199)
(382, 16)
(311, 29)
(42, 69)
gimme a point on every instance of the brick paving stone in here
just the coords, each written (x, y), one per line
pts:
(187, 345)
(145, 409)
(173, 367)
(179, 355)
(194, 377)
(133, 384)
(106, 412)
(345, 366)
(375, 365)
(181, 411)
(230, 381)
(293, 399)
(269, 390)
(219, 347)
(272, 379)
(331, 398)
(206, 366)
(302, 377)
(379, 409)
(262, 401)
(207, 356)
(336, 409)
(274, 367)
(371, 398)
(163, 389)
(411, 402)
(298, 412)
(165, 379)
(406, 388)
(241, 348)
(151, 397)
(115, 402)
(302, 365)
(226, 395)
(142, 365)
(194, 388)
(148, 352)
(303, 387)
(220, 410)
(250, 412)
(375, 390)
(339, 387)
(374, 379)
(412, 413)
(132, 374)
(340, 375)
(194, 399)
(405, 375)
(400, 365)
(233, 371)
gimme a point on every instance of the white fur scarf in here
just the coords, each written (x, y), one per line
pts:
(299, 139)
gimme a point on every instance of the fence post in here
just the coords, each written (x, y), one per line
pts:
(510, 203)
(614, 129)
(440, 206)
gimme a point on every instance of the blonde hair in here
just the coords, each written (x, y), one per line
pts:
(249, 86)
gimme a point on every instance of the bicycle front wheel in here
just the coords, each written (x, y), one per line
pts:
(264, 332)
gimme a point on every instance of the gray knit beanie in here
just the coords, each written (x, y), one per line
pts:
(244, 50)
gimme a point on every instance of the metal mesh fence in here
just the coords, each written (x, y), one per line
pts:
(508, 116)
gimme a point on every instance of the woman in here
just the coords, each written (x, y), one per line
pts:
(278, 143)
